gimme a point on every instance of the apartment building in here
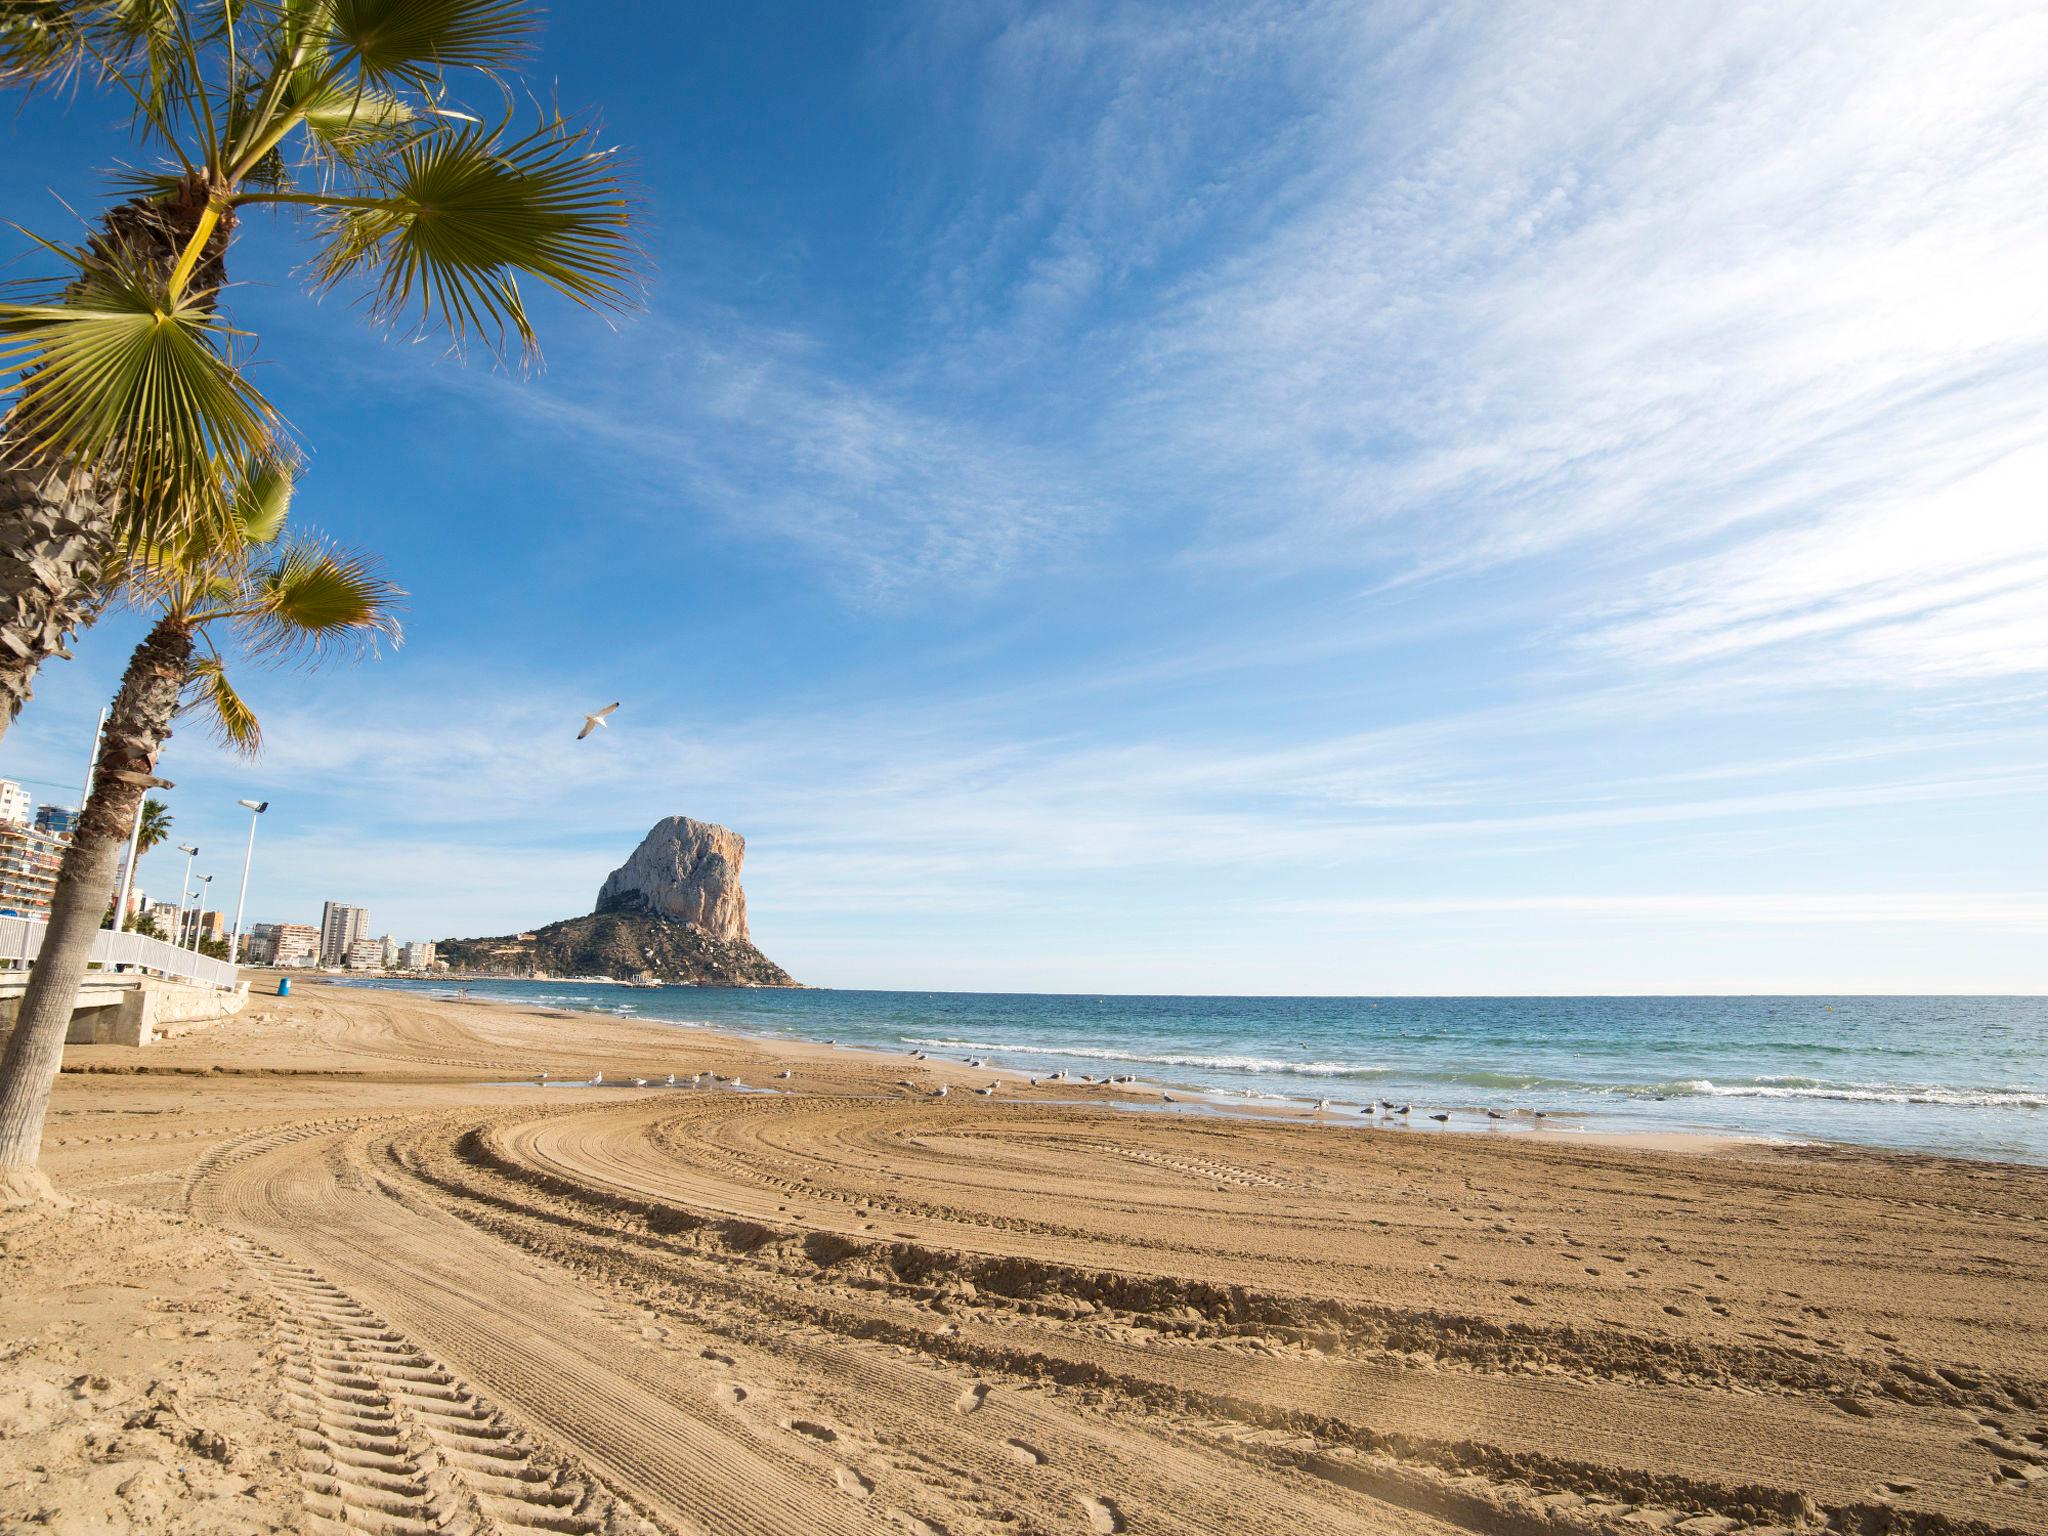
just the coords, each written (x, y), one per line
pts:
(341, 926)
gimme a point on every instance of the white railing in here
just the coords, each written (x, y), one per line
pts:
(21, 940)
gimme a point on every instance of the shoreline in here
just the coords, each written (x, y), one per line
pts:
(1194, 1098)
(846, 1306)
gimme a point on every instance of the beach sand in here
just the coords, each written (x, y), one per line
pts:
(326, 1271)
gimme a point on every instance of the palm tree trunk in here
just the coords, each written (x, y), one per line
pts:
(55, 536)
(137, 728)
(58, 531)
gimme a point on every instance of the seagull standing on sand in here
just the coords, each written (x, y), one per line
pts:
(940, 1091)
(593, 722)
(782, 1074)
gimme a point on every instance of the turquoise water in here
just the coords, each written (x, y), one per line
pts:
(1964, 1075)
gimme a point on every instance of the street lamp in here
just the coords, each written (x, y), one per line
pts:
(199, 910)
(256, 808)
(184, 887)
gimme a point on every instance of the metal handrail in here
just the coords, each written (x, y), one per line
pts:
(21, 940)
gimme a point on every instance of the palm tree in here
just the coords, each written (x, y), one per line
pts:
(151, 828)
(155, 826)
(130, 386)
(235, 582)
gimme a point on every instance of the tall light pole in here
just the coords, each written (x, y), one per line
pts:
(184, 889)
(128, 874)
(92, 763)
(199, 910)
(256, 808)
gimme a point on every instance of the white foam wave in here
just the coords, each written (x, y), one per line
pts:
(1868, 1093)
(1150, 1058)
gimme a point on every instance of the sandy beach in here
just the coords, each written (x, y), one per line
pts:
(329, 1270)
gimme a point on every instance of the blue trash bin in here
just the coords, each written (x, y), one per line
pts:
(284, 986)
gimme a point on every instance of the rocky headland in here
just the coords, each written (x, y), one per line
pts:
(673, 912)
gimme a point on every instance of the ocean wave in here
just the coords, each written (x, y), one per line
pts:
(1162, 1059)
(1853, 1093)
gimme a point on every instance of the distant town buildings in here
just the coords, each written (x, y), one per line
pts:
(28, 869)
(390, 952)
(417, 956)
(284, 945)
(365, 955)
(57, 820)
(30, 851)
(342, 927)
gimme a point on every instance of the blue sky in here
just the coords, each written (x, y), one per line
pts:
(1293, 498)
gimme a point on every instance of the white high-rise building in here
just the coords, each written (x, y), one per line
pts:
(15, 806)
(341, 926)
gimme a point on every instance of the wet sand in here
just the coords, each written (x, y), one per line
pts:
(846, 1306)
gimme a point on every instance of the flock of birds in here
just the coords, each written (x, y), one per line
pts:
(1385, 1109)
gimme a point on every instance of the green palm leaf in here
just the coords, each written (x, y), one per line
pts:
(262, 499)
(311, 598)
(213, 698)
(47, 41)
(462, 215)
(414, 40)
(344, 120)
(117, 374)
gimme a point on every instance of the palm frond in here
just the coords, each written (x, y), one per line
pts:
(262, 499)
(311, 599)
(212, 697)
(156, 825)
(413, 41)
(116, 373)
(48, 41)
(462, 215)
(345, 119)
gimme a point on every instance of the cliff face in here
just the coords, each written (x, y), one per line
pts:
(687, 870)
(673, 912)
(628, 946)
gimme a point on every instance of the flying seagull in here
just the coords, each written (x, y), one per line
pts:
(592, 722)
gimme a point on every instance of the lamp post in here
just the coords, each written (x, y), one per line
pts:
(184, 889)
(199, 910)
(256, 808)
(128, 874)
(92, 763)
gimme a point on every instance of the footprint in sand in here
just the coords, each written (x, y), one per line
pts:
(716, 1358)
(1104, 1518)
(1030, 1455)
(851, 1482)
(732, 1393)
(972, 1398)
(815, 1430)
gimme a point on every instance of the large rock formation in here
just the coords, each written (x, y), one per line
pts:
(673, 912)
(687, 870)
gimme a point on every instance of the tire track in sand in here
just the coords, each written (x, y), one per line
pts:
(389, 1440)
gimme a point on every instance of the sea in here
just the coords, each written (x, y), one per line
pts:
(1966, 1076)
